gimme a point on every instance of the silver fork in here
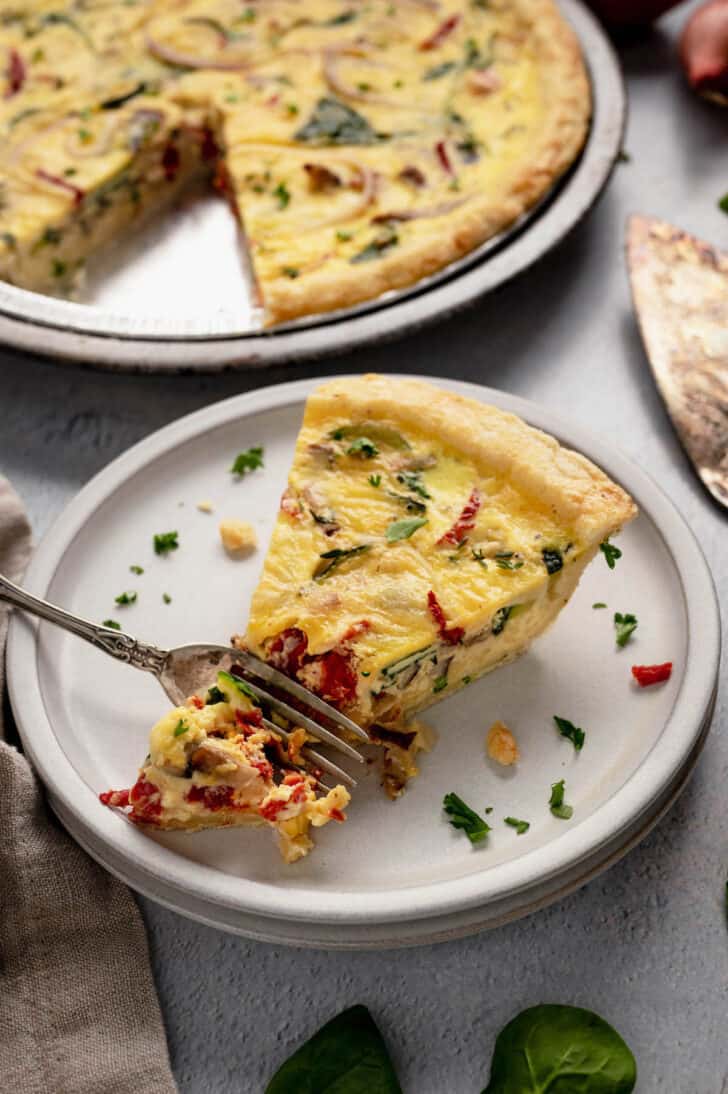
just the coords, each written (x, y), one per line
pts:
(186, 669)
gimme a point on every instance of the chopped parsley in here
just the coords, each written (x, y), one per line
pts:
(556, 802)
(334, 558)
(343, 237)
(248, 460)
(467, 679)
(723, 203)
(136, 569)
(552, 559)
(292, 109)
(413, 481)
(166, 598)
(363, 448)
(572, 733)
(340, 19)
(125, 598)
(111, 623)
(403, 529)
(333, 122)
(508, 560)
(463, 817)
(381, 243)
(282, 195)
(214, 695)
(500, 619)
(599, 604)
(180, 728)
(440, 684)
(291, 271)
(625, 626)
(439, 70)
(610, 552)
(375, 480)
(479, 557)
(164, 542)
(521, 826)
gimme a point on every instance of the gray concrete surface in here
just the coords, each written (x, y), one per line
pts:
(646, 944)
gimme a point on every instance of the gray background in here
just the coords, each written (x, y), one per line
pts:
(646, 944)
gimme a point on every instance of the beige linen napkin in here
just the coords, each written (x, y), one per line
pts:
(78, 1009)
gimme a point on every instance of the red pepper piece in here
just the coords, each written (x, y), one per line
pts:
(646, 675)
(443, 31)
(337, 815)
(15, 73)
(196, 702)
(144, 798)
(287, 650)
(114, 797)
(271, 809)
(441, 153)
(465, 522)
(338, 682)
(448, 634)
(64, 184)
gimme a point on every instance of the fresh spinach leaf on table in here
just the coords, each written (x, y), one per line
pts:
(554, 1049)
(346, 1056)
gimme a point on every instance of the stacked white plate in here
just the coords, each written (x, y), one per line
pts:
(396, 873)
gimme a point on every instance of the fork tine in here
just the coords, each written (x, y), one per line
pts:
(292, 687)
(297, 718)
(315, 758)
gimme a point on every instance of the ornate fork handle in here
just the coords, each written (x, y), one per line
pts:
(116, 643)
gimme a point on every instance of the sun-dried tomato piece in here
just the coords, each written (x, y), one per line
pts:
(15, 73)
(287, 650)
(438, 36)
(645, 675)
(338, 680)
(465, 522)
(213, 798)
(452, 635)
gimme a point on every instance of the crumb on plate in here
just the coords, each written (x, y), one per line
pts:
(501, 745)
(205, 506)
(237, 536)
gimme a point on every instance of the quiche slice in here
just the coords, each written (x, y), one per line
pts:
(213, 763)
(423, 540)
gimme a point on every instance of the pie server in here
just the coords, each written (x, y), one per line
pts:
(680, 292)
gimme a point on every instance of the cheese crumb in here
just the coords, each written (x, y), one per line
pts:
(501, 745)
(237, 536)
(205, 506)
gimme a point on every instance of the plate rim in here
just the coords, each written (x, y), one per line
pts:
(67, 331)
(420, 901)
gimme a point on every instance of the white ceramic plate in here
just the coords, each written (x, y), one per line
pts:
(176, 296)
(395, 870)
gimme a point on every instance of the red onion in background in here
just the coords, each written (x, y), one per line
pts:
(704, 50)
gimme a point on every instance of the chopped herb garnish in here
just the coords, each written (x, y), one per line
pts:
(552, 559)
(343, 237)
(363, 448)
(136, 569)
(364, 86)
(610, 553)
(248, 460)
(291, 271)
(599, 604)
(467, 679)
(282, 195)
(340, 19)
(556, 802)
(180, 728)
(164, 542)
(479, 557)
(214, 695)
(166, 598)
(723, 203)
(571, 732)
(382, 242)
(248, 16)
(292, 109)
(403, 529)
(333, 559)
(625, 626)
(508, 560)
(413, 481)
(125, 598)
(520, 826)
(463, 817)
(111, 623)
(375, 480)
(440, 684)
(333, 122)
(439, 70)
(500, 619)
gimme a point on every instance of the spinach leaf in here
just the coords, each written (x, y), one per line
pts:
(334, 558)
(333, 122)
(552, 559)
(413, 481)
(500, 619)
(346, 1056)
(554, 1049)
(403, 529)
